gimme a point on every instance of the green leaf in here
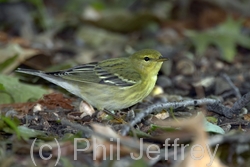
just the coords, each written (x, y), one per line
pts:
(1, 87)
(12, 55)
(66, 162)
(209, 127)
(98, 5)
(7, 62)
(212, 120)
(213, 128)
(17, 92)
(139, 163)
(154, 127)
(27, 133)
(12, 125)
(226, 36)
(139, 134)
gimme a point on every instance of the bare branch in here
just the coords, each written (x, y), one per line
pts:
(236, 90)
(211, 105)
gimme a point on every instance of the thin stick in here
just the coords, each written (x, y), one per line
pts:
(236, 90)
(211, 105)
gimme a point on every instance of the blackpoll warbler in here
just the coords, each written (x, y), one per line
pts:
(111, 84)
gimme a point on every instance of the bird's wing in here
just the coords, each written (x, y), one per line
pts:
(102, 73)
(81, 73)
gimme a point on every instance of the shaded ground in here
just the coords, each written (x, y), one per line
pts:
(208, 47)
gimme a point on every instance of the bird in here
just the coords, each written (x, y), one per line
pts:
(111, 84)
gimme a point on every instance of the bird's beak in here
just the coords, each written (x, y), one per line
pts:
(161, 59)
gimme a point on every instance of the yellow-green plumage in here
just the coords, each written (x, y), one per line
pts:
(110, 84)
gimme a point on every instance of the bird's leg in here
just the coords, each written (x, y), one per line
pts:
(114, 116)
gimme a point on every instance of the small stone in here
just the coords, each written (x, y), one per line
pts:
(186, 67)
(164, 82)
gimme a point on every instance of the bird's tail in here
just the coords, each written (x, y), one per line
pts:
(30, 71)
(66, 84)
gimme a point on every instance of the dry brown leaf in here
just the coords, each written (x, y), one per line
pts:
(13, 49)
(200, 155)
(246, 117)
(86, 109)
(66, 148)
(162, 115)
(118, 148)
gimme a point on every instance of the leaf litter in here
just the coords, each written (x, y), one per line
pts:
(219, 73)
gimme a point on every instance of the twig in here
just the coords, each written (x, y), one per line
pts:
(211, 105)
(236, 90)
(239, 138)
(159, 107)
(242, 102)
(87, 130)
(228, 93)
(171, 156)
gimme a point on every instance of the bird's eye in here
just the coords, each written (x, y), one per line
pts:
(146, 58)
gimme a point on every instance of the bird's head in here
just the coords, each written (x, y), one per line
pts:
(147, 61)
